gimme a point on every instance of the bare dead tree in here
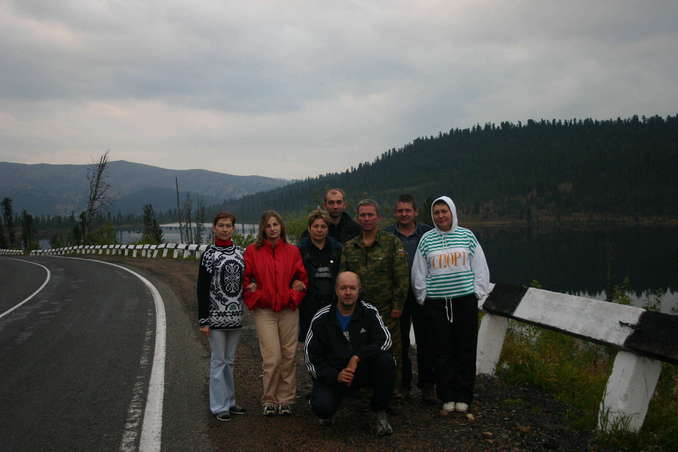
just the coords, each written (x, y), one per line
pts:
(98, 190)
(188, 211)
(179, 212)
(199, 221)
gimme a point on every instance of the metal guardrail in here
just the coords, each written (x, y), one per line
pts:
(642, 339)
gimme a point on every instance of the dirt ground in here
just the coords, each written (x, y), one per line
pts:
(502, 417)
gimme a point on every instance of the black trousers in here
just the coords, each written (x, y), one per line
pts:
(414, 314)
(378, 372)
(454, 347)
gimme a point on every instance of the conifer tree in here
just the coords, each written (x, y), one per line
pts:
(8, 217)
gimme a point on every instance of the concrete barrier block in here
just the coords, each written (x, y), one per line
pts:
(168, 247)
(179, 250)
(157, 249)
(190, 250)
(628, 392)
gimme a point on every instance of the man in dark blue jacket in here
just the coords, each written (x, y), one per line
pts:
(347, 347)
(410, 232)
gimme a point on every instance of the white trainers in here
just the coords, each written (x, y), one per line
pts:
(383, 428)
(449, 406)
(461, 407)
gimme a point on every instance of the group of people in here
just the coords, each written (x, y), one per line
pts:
(350, 291)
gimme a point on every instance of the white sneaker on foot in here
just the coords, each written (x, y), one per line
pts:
(461, 407)
(448, 406)
(383, 428)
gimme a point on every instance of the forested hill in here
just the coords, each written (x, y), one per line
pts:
(623, 167)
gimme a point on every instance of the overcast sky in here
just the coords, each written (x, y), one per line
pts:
(299, 88)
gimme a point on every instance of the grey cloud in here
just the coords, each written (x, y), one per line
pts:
(350, 78)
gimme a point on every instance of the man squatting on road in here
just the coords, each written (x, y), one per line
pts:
(410, 232)
(449, 275)
(347, 347)
(220, 311)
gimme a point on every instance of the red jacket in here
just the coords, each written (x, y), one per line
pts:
(273, 268)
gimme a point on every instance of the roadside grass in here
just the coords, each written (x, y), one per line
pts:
(576, 372)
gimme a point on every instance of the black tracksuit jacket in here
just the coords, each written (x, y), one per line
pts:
(327, 350)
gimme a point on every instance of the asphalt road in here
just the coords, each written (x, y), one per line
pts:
(76, 359)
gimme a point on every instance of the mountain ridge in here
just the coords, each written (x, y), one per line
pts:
(59, 189)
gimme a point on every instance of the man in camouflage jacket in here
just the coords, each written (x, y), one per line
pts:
(380, 260)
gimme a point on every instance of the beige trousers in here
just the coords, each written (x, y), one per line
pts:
(278, 335)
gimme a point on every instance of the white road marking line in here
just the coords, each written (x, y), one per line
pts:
(49, 275)
(151, 430)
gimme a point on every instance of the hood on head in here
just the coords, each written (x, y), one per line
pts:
(453, 209)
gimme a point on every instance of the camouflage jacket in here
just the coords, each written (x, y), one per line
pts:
(382, 268)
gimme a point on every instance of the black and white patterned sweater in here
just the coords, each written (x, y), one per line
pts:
(220, 301)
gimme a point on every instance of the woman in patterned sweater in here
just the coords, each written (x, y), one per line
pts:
(220, 311)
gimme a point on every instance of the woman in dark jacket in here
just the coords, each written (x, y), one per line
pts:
(275, 283)
(322, 255)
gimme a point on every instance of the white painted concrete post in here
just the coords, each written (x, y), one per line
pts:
(179, 249)
(157, 249)
(188, 252)
(169, 246)
(491, 337)
(628, 392)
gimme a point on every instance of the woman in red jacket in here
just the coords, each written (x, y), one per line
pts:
(275, 282)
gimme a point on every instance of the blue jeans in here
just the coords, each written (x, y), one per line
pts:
(223, 344)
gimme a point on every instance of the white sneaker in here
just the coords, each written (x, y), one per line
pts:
(461, 407)
(383, 428)
(449, 406)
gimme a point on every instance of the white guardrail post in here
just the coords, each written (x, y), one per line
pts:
(190, 250)
(157, 249)
(168, 247)
(179, 250)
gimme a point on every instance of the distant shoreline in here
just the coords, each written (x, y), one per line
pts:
(582, 220)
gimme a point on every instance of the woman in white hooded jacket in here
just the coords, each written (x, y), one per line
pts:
(449, 275)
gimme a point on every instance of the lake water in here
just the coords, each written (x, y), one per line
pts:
(588, 263)
(170, 232)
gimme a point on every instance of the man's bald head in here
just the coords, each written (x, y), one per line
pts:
(348, 276)
(347, 289)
